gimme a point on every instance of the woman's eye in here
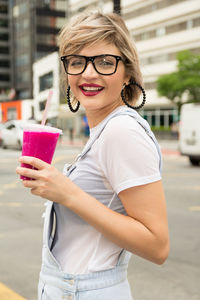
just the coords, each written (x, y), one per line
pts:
(76, 63)
(106, 62)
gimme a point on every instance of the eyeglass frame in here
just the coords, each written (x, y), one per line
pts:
(92, 58)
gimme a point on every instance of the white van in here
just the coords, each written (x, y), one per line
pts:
(189, 132)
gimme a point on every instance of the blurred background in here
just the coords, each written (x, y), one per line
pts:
(30, 65)
(167, 36)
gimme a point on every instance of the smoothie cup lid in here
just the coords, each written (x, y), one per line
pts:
(41, 128)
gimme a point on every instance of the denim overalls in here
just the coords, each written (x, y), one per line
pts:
(110, 284)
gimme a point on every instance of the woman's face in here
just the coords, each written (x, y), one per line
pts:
(98, 92)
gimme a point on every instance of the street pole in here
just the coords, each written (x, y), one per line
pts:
(117, 6)
(67, 14)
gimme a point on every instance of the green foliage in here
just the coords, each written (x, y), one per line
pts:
(183, 85)
(160, 128)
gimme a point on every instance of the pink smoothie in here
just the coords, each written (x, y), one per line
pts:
(40, 144)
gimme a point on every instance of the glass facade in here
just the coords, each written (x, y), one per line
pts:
(35, 26)
(46, 81)
(5, 78)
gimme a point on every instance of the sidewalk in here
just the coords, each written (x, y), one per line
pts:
(66, 142)
(168, 147)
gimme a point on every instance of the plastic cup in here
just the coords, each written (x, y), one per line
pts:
(39, 141)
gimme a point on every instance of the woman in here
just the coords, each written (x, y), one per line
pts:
(110, 202)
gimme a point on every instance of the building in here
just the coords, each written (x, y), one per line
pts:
(46, 77)
(28, 31)
(160, 28)
(5, 66)
(35, 25)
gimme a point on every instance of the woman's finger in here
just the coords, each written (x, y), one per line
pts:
(33, 161)
(30, 184)
(26, 172)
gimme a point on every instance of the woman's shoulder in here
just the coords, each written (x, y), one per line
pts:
(126, 133)
(122, 124)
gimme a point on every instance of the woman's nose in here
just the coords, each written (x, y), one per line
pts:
(90, 71)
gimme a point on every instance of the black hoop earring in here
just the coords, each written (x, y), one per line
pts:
(69, 102)
(143, 92)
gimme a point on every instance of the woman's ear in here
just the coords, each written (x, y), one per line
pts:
(127, 79)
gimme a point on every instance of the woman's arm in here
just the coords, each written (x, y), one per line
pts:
(143, 232)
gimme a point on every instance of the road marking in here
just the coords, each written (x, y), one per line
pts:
(194, 208)
(7, 160)
(11, 204)
(8, 186)
(189, 187)
(11, 185)
(177, 174)
(8, 294)
(19, 204)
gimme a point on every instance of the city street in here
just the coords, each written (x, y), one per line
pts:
(21, 232)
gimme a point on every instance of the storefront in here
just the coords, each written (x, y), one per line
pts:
(11, 110)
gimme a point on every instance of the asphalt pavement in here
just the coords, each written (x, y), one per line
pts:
(21, 230)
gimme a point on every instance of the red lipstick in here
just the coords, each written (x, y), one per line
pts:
(90, 89)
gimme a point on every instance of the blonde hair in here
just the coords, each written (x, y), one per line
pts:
(92, 27)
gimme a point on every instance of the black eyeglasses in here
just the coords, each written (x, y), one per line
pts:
(105, 64)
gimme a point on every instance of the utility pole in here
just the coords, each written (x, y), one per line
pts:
(117, 6)
(67, 9)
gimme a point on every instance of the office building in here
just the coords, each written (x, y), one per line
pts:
(28, 30)
(161, 29)
(5, 66)
(35, 26)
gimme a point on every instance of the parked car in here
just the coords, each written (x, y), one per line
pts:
(189, 132)
(1, 127)
(12, 133)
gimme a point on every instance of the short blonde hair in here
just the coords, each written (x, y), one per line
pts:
(92, 27)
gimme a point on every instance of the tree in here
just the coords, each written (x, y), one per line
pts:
(183, 85)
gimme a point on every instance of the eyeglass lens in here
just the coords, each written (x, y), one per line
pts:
(105, 64)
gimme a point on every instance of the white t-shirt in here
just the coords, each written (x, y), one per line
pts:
(123, 156)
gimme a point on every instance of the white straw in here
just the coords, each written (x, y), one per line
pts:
(47, 107)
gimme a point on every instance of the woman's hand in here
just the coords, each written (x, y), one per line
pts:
(49, 183)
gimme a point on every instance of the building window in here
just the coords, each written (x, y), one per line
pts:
(160, 31)
(4, 23)
(22, 60)
(150, 85)
(4, 64)
(23, 8)
(150, 8)
(189, 24)
(4, 50)
(24, 94)
(4, 77)
(164, 57)
(160, 117)
(168, 30)
(46, 81)
(4, 37)
(3, 9)
(42, 105)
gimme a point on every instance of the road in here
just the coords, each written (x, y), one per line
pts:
(21, 233)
